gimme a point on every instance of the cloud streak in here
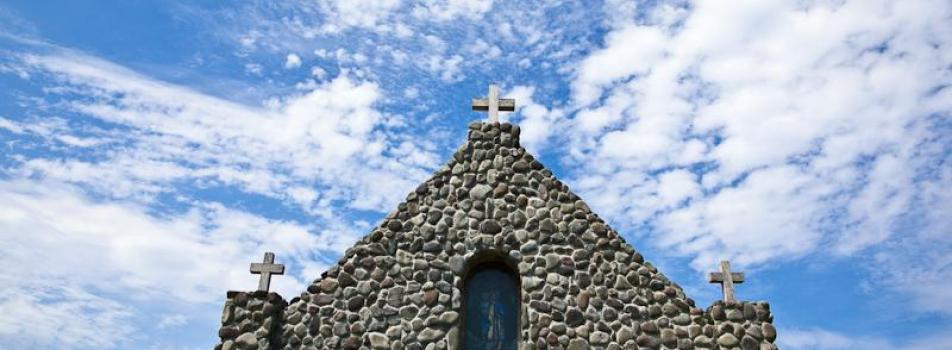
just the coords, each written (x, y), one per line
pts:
(160, 133)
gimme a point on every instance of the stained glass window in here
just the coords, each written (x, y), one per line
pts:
(491, 314)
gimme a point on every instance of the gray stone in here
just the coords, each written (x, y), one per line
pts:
(599, 338)
(624, 334)
(378, 341)
(364, 287)
(350, 343)
(479, 192)
(609, 314)
(490, 227)
(395, 225)
(749, 343)
(355, 303)
(702, 341)
(529, 248)
(408, 312)
(577, 344)
(457, 264)
(430, 334)
(520, 166)
(770, 333)
(727, 340)
(582, 300)
(735, 315)
(228, 332)
(246, 341)
(531, 283)
(300, 329)
(329, 285)
(574, 318)
(648, 341)
(346, 280)
(668, 338)
(547, 226)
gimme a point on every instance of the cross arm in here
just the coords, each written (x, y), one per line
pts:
(715, 277)
(505, 104)
(270, 268)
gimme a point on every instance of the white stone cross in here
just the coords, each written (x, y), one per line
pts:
(493, 104)
(266, 269)
(727, 279)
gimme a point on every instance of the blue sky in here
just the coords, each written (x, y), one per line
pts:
(152, 149)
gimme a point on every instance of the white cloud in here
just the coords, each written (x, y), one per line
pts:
(918, 263)
(676, 186)
(749, 224)
(447, 68)
(445, 10)
(411, 93)
(254, 68)
(322, 151)
(39, 315)
(318, 72)
(341, 14)
(481, 48)
(821, 339)
(176, 134)
(11, 126)
(805, 124)
(632, 50)
(292, 61)
(173, 320)
(407, 36)
(535, 120)
(99, 259)
(199, 252)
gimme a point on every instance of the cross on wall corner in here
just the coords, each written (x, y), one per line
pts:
(727, 279)
(266, 268)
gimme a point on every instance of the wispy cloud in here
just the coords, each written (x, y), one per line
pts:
(175, 320)
(821, 339)
(48, 315)
(119, 191)
(157, 133)
(79, 241)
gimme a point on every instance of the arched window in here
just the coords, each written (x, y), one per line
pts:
(491, 309)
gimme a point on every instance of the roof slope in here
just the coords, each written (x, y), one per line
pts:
(582, 285)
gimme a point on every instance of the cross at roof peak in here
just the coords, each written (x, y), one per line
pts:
(492, 104)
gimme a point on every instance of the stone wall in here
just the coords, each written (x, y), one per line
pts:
(583, 286)
(251, 321)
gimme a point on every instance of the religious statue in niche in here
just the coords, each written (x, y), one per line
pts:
(491, 315)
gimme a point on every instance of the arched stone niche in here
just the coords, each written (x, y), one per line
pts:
(491, 305)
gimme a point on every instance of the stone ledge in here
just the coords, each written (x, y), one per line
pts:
(231, 294)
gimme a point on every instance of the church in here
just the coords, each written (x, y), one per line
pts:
(492, 252)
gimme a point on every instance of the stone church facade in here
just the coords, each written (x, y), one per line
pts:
(581, 286)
